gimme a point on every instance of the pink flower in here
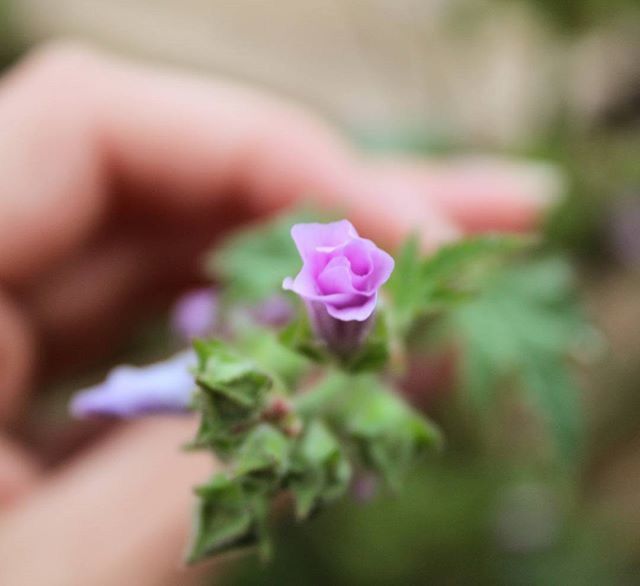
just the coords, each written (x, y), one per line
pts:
(339, 280)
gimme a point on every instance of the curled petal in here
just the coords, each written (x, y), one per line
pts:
(335, 277)
(383, 265)
(356, 312)
(310, 238)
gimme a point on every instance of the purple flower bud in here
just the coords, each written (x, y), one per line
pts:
(339, 281)
(276, 312)
(195, 314)
(164, 387)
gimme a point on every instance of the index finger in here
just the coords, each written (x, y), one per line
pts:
(80, 129)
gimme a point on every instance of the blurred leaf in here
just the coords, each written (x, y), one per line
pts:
(522, 328)
(253, 263)
(271, 354)
(224, 372)
(321, 470)
(299, 337)
(389, 433)
(374, 354)
(406, 286)
(419, 286)
(264, 452)
(232, 393)
(224, 519)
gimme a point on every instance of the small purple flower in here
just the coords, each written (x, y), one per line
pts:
(195, 314)
(164, 387)
(339, 281)
(276, 311)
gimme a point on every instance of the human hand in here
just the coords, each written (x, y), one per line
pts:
(113, 177)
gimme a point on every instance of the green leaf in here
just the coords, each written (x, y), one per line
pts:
(223, 372)
(253, 263)
(375, 352)
(232, 394)
(406, 286)
(266, 348)
(550, 386)
(264, 453)
(448, 277)
(322, 398)
(521, 329)
(224, 519)
(389, 433)
(321, 470)
(299, 337)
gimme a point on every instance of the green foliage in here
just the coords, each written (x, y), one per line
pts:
(420, 285)
(321, 470)
(304, 447)
(577, 15)
(299, 337)
(286, 416)
(232, 392)
(518, 322)
(519, 331)
(373, 356)
(233, 507)
(266, 348)
(223, 520)
(265, 453)
(253, 263)
(389, 434)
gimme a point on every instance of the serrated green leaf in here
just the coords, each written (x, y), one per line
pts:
(521, 328)
(551, 388)
(389, 433)
(321, 470)
(265, 347)
(223, 372)
(299, 338)
(406, 286)
(232, 393)
(449, 262)
(422, 285)
(264, 452)
(223, 520)
(374, 355)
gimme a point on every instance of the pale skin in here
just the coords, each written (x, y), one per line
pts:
(113, 177)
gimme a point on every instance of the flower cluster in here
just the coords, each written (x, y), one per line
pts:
(297, 397)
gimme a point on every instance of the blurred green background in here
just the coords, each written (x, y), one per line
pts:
(552, 79)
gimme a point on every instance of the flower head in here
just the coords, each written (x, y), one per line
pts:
(341, 271)
(164, 387)
(195, 314)
(275, 312)
(339, 282)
